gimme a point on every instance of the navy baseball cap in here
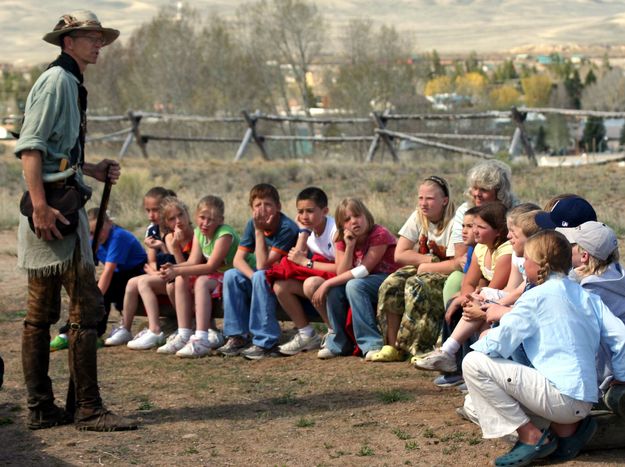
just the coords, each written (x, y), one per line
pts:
(568, 212)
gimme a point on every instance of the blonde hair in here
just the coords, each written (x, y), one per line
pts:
(358, 208)
(519, 209)
(450, 208)
(492, 175)
(169, 203)
(527, 223)
(551, 251)
(596, 266)
(211, 202)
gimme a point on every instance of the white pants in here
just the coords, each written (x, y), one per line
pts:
(502, 391)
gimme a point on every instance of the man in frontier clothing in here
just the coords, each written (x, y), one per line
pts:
(53, 135)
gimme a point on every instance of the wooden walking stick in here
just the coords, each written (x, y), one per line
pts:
(104, 202)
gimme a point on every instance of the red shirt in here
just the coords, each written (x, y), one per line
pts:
(378, 236)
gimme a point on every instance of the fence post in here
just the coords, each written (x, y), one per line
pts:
(134, 134)
(380, 122)
(250, 134)
(518, 118)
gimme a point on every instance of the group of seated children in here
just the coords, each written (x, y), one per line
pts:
(506, 280)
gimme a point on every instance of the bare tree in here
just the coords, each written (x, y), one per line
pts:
(607, 93)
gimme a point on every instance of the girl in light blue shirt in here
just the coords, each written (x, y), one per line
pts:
(560, 326)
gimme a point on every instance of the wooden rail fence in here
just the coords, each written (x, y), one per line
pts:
(382, 135)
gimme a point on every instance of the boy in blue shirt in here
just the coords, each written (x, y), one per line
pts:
(249, 302)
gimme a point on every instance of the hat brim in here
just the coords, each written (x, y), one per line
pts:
(109, 34)
(569, 233)
(544, 221)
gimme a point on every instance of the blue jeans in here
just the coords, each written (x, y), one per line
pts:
(362, 296)
(250, 307)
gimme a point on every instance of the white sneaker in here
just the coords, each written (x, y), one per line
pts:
(119, 336)
(437, 360)
(369, 355)
(174, 343)
(146, 340)
(326, 354)
(215, 339)
(300, 343)
(195, 348)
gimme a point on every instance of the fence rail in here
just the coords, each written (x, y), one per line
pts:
(381, 134)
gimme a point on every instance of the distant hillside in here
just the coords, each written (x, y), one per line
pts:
(450, 26)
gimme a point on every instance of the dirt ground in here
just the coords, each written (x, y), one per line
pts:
(216, 411)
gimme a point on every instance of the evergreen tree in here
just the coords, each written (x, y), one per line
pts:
(594, 134)
(590, 78)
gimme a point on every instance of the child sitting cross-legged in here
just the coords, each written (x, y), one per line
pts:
(560, 327)
(200, 278)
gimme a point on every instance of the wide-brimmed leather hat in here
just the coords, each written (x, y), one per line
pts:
(80, 20)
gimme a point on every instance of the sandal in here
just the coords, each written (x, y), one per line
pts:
(570, 446)
(388, 353)
(523, 454)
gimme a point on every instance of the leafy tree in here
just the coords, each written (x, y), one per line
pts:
(439, 85)
(594, 134)
(504, 97)
(558, 136)
(537, 89)
(472, 84)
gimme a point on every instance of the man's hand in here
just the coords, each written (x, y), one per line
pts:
(44, 220)
(105, 170)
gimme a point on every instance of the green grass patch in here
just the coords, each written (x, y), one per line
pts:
(401, 434)
(365, 451)
(305, 423)
(411, 445)
(393, 395)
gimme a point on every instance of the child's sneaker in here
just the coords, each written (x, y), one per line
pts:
(119, 336)
(195, 348)
(59, 343)
(215, 339)
(174, 343)
(300, 343)
(326, 354)
(437, 360)
(234, 346)
(146, 340)
(448, 381)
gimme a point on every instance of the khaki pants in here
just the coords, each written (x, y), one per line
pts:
(506, 395)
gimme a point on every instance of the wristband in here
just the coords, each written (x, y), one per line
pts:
(308, 231)
(310, 264)
(359, 272)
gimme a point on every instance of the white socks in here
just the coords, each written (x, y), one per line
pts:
(201, 335)
(185, 333)
(451, 346)
(306, 331)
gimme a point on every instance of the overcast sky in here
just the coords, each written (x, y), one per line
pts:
(445, 25)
